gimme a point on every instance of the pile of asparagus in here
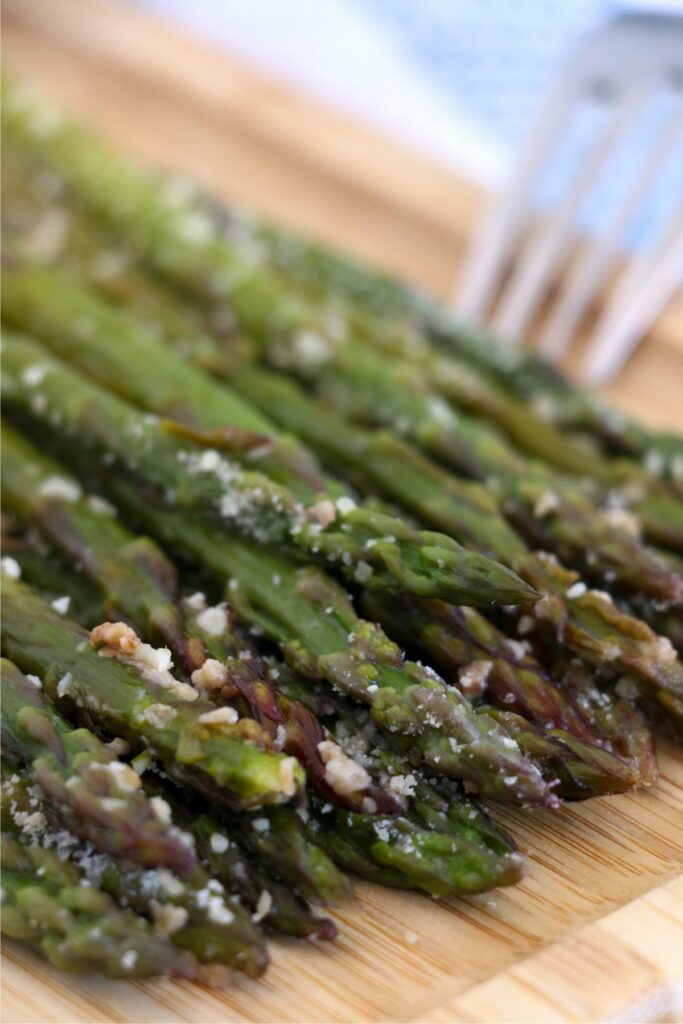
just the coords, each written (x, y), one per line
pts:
(296, 573)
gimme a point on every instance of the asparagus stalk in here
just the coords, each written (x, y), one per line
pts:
(76, 927)
(98, 797)
(273, 839)
(54, 578)
(404, 311)
(588, 756)
(360, 384)
(396, 852)
(193, 911)
(183, 242)
(312, 620)
(223, 851)
(208, 755)
(583, 619)
(202, 479)
(148, 235)
(137, 582)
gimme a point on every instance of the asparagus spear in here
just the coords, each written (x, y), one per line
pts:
(435, 802)
(183, 242)
(587, 756)
(208, 755)
(193, 911)
(574, 524)
(54, 578)
(49, 906)
(50, 305)
(396, 852)
(583, 619)
(137, 581)
(321, 636)
(146, 228)
(223, 850)
(473, 449)
(204, 480)
(98, 797)
(412, 315)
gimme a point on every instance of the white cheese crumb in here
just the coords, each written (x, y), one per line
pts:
(516, 648)
(126, 777)
(157, 658)
(286, 775)
(34, 680)
(168, 918)
(621, 519)
(196, 601)
(345, 505)
(218, 912)
(474, 677)
(577, 589)
(363, 572)
(324, 512)
(546, 502)
(218, 843)
(525, 625)
(34, 375)
(342, 773)
(61, 604)
(11, 567)
(403, 785)
(260, 824)
(64, 684)
(129, 960)
(219, 716)
(168, 882)
(96, 503)
(212, 675)
(157, 715)
(60, 487)
(213, 621)
(162, 809)
(263, 906)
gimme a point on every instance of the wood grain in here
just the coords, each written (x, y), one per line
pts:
(595, 930)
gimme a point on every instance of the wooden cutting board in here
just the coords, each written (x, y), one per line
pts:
(595, 930)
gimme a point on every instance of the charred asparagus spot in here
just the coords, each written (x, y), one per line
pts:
(98, 796)
(194, 912)
(207, 752)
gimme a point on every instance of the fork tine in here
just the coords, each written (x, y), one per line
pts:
(644, 289)
(508, 215)
(601, 256)
(536, 270)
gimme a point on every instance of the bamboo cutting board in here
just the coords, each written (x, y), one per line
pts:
(595, 931)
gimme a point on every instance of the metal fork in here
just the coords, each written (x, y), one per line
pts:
(519, 258)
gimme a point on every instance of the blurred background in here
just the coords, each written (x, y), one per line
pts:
(459, 80)
(386, 127)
